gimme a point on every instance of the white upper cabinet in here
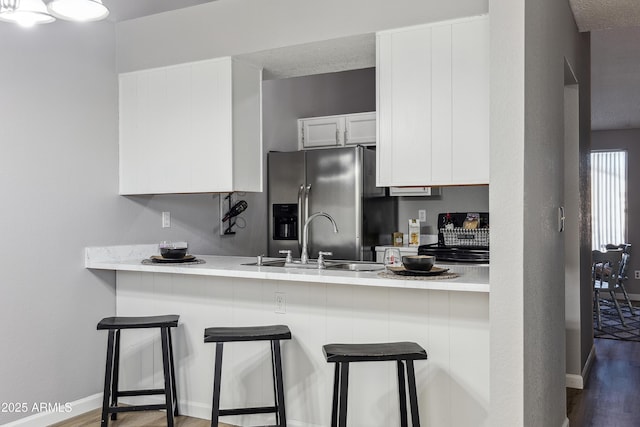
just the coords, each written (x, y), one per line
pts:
(360, 128)
(321, 131)
(433, 104)
(335, 131)
(191, 128)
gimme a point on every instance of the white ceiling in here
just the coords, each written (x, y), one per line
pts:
(615, 53)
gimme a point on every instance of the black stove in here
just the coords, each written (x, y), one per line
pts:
(466, 253)
(449, 254)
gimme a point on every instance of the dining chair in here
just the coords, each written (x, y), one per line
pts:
(626, 254)
(605, 274)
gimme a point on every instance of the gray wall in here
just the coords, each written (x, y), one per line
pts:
(451, 199)
(59, 183)
(527, 269)
(626, 139)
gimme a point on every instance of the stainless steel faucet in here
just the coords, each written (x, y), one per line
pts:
(304, 256)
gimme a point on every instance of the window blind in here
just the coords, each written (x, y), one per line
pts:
(608, 198)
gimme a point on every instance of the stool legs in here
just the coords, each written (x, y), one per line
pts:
(173, 375)
(403, 394)
(341, 386)
(413, 394)
(107, 379)
(340, 394)
(278, 389)
(168, 386)
(116, 370)
(215, 411)
(112, 393)
(281, 418)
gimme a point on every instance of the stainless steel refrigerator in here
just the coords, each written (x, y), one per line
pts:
(337, 181)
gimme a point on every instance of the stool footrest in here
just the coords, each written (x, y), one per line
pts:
(247, 411)
(141, 392)
(136, 408)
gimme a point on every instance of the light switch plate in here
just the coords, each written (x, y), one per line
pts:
(422, 215)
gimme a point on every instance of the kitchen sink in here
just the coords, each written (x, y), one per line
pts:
(355, 266)
(329, 265)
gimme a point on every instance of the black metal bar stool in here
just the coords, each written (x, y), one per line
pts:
(111, 391)
(273, 333)
(404, 353)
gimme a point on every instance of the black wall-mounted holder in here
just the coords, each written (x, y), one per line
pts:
(230, 208)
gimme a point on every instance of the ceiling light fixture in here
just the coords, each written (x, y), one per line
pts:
(27, 13)
(9, 5)
(78, 10)
(31, 12)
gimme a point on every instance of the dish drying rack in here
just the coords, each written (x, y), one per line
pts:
(458, 236)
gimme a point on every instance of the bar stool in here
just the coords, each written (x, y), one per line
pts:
(404, 353)
(111, 391)
(273, 333)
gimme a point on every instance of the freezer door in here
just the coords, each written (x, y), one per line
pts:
(286, 176)
(334, 179)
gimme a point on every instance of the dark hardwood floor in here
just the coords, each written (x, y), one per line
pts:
(611, 397)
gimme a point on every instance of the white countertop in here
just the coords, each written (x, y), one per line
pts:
(473, 278)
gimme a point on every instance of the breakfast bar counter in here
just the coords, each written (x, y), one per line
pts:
(449, 318)
(471, 278)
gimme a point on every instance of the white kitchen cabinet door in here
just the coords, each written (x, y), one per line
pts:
(360, 128)
(191, 128)
(433, 103)
(404, 107)
(470, 101)
(321, 132)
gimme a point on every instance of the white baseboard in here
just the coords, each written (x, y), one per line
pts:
(64, 412)
(566, 422)
(632, 297)
(587, 365)
(579, 381)
(574, 381)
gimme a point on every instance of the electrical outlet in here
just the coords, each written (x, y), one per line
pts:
(281, 302)
(637, 274)
(422, 215)
(166, 219)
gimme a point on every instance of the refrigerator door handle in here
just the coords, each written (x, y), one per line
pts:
(300, 217)
(306, 210)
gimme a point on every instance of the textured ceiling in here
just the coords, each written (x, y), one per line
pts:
(330, 56)
(594, 15)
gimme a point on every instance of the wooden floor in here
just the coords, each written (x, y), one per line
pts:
(611, 397)
(135, 419)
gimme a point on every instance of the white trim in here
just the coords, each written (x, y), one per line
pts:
(574, 381)
(566, 422)
(587, 365)
(578, 381)
(77, 407)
